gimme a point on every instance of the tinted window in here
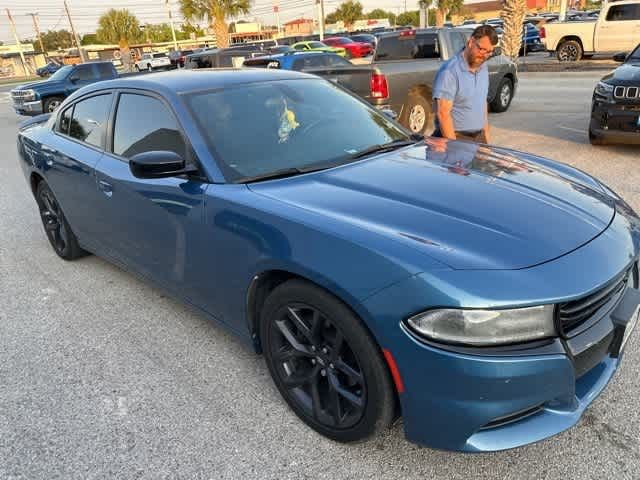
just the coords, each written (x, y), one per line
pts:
(309, 62)
(89, 122)
(288, 127)
(317, 45)
(300, 47)
(621, 13)
(144, 124)
(458, 41)
(65, 121)
(423, 45)
(336, 61)
(105, 70)
(85, 73)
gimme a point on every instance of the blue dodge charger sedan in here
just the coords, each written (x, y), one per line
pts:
(484, 295)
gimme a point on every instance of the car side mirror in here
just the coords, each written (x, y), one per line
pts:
(74, 80)
(158, 164)
(497, 51)
(620, 57)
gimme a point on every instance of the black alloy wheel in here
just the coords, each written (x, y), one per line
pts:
(55, 225)
(325, 363)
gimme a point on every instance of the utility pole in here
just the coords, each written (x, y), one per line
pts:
(173, 30)
(75, 35)
(18, 44)
(36, 25)
(276, 10)
(321, 15)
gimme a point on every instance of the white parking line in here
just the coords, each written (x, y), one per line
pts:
(571, 129)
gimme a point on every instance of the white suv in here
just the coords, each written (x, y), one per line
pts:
(152, 61)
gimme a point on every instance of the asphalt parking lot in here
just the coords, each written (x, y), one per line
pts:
(102, 376)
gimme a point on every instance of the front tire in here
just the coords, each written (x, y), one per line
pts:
(504, 96)
(569, 51)
(56, 227)
(51, 104)
(149, 68)
(325, 363)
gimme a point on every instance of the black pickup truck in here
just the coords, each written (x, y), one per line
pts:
(401, 74)
(45, 96)
(615, 108)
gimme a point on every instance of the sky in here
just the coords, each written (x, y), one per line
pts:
(85, 13)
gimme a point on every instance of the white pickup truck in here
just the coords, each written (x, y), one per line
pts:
(617, 29)
(153, 61)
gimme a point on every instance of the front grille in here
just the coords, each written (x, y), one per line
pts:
(573, 314)
(626, 93)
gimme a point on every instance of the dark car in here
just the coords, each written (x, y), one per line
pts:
(531, 41)
(222, 57)
(49, 69)
(485, 295)
(45, 96)
(299, 61)
(177, 57)
(365, 38)
(615, 109)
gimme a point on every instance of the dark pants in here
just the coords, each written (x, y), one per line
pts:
(477, 136)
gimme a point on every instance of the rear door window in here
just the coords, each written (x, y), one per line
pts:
(89, 120)
(105, 70)
(408, 47)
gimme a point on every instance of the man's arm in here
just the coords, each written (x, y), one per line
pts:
(445, 120)
(485, 129)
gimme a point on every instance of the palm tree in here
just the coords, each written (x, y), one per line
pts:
(216, 13)
(121, 27)
(445, 7)
(513, 15)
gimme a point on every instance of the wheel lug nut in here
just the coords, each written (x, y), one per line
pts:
(323, 372)
(332, 366)
(313, 348)
(325, 351)
(313, 361)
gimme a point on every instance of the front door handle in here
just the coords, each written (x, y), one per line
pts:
(106, 187)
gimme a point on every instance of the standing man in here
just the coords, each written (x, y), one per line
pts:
(461, 87)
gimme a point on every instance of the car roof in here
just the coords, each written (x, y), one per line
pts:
(297, 54)
(183, 81)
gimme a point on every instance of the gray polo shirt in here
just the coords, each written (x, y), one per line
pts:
(468, 91)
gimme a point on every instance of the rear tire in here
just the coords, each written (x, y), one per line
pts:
(325, 363)
(417, 114)
(56, 227)
(596, 140)
(569, 51)
(504, 96)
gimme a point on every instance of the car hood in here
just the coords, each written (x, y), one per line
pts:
(47, 84)
(467, 206)
(629, 73)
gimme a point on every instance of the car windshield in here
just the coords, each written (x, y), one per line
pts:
(260, 128)
(62, 73)
(316, 45)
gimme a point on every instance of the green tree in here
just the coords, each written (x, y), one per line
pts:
(380, 13)
(411, 17)
(447, 7)
(216, 13)
(119, 26)
(89, 39)
(56, 39)
(187, 29)
(348, 12)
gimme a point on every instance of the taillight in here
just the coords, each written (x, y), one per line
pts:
(379, 87)
(407, 33)
(543, 33)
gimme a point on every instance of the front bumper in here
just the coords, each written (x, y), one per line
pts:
(28, 108)
(615, 122)
(459, 399)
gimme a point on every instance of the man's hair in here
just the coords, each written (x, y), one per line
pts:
(486, 31)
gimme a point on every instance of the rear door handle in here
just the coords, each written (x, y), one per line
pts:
(106, 187)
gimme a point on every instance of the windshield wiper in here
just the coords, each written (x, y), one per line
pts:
(385, 147)
(282, 173)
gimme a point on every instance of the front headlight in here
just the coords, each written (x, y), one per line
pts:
(604, 89)
(29, 95)
(484, 328)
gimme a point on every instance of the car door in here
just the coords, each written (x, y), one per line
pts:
(620, 30)
(69, 160)
(83, 75)
(151, 224)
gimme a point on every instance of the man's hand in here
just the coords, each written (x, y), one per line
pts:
(445, 120)
(485, 129)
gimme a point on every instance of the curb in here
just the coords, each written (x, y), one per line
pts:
(567, 67)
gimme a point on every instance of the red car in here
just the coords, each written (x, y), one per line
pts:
(354, 49)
